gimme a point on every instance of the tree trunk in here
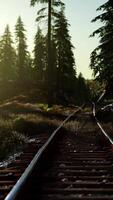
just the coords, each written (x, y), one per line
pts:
(49, 56)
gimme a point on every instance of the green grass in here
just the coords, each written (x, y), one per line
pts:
(30, 124)
(20, 120)
(16, 127)
(10, 140)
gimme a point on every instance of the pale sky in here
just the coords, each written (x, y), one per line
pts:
(79, 14)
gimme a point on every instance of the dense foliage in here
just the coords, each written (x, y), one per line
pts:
(22, 53)
(102, 56)
(52, 63)
(62, 73)
(64, 49)
(7, 56)
(40, 55)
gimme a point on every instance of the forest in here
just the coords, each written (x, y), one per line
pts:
(51, 64)
(46, 79)
(56, 125)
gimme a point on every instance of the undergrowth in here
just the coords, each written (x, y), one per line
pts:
(21, 120)
(10, 140)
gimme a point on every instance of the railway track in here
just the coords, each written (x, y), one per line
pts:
(66, 167)
(9, 175)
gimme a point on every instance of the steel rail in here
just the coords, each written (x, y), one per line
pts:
(12, 195)
(100, 126)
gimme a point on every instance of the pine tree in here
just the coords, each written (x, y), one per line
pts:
(61, 66)
(22, 52)
(7, 57)
(65, 59)
(102, 56)
(33, 2)
(40, 55)
(49, 70)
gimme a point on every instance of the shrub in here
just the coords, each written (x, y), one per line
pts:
(10, 141)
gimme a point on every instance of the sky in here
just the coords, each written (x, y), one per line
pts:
(79, 14)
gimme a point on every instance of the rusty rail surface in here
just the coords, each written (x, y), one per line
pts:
(78, 166)
(22, 180)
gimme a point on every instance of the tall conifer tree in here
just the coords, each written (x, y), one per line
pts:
(49, 69)
(7, 56)
(49, 75)
(65, 57)
(102, 56)
(40, 55)
(22, 52)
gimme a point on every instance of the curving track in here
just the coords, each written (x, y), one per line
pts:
(68, 167)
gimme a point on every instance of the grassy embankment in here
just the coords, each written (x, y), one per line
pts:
(26, 115)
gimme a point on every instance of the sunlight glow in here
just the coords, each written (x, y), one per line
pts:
(79, 15)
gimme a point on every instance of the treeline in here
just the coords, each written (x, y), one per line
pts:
(15, 60)
(16, 63)
(102, 55)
